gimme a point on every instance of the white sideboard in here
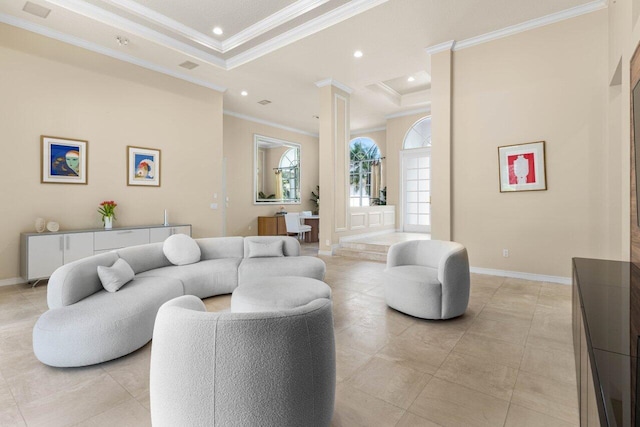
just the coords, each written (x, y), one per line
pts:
(42, 253)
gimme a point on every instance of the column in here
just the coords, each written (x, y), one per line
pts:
(441, 69)
(334, 162)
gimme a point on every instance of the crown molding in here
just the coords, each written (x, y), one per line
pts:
(268, 123)
(281, 17)
(75, 41)
(408, 113)
(371, 130)
(331, 82)
(448, 45)
(421, 97)
(108, 18)
(389, 92)
(339, 14)
(151, 15)
(533, 23)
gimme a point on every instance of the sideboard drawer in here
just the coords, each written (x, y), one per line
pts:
(115, 239)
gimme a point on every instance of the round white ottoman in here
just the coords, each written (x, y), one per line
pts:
(277, 293)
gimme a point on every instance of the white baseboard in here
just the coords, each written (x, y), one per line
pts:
(325, 253)
(520, 275)
(11, 281)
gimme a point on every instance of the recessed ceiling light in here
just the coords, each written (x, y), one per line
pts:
(411, 79)
(244, 93)
(217, 31)
(357, 54)
(36, 9)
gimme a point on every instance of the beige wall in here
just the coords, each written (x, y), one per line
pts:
(242, 215)
(111, 104)
(624, 36)
(545, 84)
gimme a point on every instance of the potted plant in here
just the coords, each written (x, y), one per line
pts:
(108, 211)
(315, 198)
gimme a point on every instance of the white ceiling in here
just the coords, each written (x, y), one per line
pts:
(278, 49)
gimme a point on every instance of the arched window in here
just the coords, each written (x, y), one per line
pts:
(364, 172)
(289, 168)
(419, 136)
(416, 177)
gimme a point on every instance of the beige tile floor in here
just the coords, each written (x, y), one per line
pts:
(507, 362)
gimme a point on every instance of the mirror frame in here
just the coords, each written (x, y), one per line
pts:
(256, 139)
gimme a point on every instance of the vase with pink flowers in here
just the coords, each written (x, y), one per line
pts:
(108, 211)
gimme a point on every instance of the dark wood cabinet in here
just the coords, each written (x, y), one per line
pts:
(272, 226)
(276, 226)
(605, 340)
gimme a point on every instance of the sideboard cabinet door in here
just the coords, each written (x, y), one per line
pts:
(77, 246)
(45, 254)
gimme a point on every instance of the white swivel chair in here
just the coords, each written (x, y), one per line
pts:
(427, 278)
(273, 368)
(292, 221)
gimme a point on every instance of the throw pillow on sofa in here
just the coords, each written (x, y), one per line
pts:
(181, 249)
(260, 250)
(116, 276)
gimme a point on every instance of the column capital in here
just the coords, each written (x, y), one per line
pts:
(335, 83)
(432, 50)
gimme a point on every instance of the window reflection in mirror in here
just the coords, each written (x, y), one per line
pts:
(277, 171)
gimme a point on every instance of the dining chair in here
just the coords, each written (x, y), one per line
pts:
(292, 222)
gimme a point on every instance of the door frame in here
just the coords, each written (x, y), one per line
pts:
(403, 155)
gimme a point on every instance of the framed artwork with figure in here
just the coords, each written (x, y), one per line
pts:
(63, 160)
(143, 166)
(522, 167)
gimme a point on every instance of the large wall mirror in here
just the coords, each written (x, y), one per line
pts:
(277, 171)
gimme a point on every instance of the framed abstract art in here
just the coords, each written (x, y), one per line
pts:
(522, 167)
(63, 160)
(143, 166)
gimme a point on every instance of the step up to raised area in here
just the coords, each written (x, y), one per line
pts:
(368, 251)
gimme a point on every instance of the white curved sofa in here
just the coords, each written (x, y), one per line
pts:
(86, 325)
(273, 368)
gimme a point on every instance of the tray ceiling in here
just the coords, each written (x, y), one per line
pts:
(277, 49)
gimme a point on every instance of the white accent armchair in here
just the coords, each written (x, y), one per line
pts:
(242, 369)
(427, 278)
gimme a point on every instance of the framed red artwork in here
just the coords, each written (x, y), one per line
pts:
(522, 167)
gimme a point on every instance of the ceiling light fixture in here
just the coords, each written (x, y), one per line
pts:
(122, 41)
(411, 79)
(264, 102)
(244, 93)
(357, 54)
(217, 31)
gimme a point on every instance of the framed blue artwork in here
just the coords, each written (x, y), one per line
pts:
(143, 166)
(63, 161)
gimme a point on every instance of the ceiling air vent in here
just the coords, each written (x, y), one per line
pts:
(264, 102)
(36, 9)
(189, 65)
